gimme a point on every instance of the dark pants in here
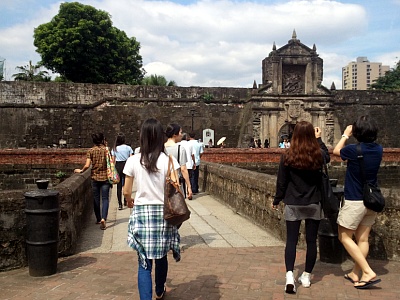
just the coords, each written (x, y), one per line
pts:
(194, 181)
(292, 229)
(119, 165)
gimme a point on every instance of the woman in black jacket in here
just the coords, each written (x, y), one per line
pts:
(299, 187)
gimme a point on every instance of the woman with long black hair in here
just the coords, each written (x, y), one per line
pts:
(120, 154)
(299, 187)
(148, 233)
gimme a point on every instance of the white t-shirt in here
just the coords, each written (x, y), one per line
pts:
(189, 151)
(150, 186)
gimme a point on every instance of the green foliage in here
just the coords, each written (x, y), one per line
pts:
(60, 174)
(31, 73)
(389, 82)
(157, 80)
(81, 45)
(208, 97)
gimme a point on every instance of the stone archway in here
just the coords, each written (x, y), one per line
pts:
(286, 131)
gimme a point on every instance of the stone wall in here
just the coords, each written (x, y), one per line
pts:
(76, 205)
(384, 107)
(251, 194)
(40, 115)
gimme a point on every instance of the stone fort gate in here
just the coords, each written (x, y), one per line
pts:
(291, 91)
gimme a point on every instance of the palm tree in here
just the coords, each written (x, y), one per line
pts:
(31, 73)
(157, 80)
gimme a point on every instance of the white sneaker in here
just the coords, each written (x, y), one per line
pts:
(304, 279)
(290, 287)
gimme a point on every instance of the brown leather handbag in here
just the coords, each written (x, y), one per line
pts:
(175, 207)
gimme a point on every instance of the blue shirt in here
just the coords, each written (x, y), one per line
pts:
(372, 153)
(122, 152)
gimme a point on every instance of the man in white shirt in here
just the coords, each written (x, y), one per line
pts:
(190, 159)
(198, 151)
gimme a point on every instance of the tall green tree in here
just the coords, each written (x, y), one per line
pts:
(81, 44)
(31, 72)
(157, 80)
(390, 81)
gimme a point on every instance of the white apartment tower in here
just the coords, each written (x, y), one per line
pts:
(361, 74)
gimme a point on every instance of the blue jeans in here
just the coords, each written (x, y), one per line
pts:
(144, 278)
(103, 188)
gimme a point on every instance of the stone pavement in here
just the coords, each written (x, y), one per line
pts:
(224, 256)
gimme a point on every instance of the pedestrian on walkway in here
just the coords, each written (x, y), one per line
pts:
(120, 154)
(148, 233)
(354, 218)
(96, 158)
(172, 147)
(299, 187)
(190, 163)
(198, 152)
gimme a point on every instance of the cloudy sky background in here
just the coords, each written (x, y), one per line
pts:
(222, 42)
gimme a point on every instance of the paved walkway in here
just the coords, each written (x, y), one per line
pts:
(224, 256)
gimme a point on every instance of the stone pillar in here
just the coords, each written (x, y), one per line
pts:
(273, 129)
(264, 127)
(321, 124)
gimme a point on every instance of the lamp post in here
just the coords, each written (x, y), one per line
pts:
(192, 113)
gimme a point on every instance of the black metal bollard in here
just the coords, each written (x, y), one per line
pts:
(331, 249)
(42, 224)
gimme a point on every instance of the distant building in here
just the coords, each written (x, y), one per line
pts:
(361, 74)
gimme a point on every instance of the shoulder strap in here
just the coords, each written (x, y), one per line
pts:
(360, 158)
(179, 154)
(325, 168)
(170, 166)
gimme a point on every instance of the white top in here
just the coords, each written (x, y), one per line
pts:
(189, 151)
(197, 149)
(150, 186)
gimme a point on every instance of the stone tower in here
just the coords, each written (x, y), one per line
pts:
(291, 91)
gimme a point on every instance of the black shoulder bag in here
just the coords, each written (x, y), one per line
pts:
(329, 202)
(372, 195)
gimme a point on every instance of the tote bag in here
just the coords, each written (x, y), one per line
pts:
(175, 207)
(112, 173)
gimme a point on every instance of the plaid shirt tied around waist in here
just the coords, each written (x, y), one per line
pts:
(150, 235)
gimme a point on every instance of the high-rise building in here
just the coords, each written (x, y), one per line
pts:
(360, 74)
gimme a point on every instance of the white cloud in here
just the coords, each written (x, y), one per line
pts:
(215, 43)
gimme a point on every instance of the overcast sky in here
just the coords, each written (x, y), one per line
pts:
(222, 42)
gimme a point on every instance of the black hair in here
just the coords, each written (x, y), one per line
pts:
(120, 140)
(151, 144)
(184, 136)
(172, 129)
(98, 138)
(192, 135)
(365, 129)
